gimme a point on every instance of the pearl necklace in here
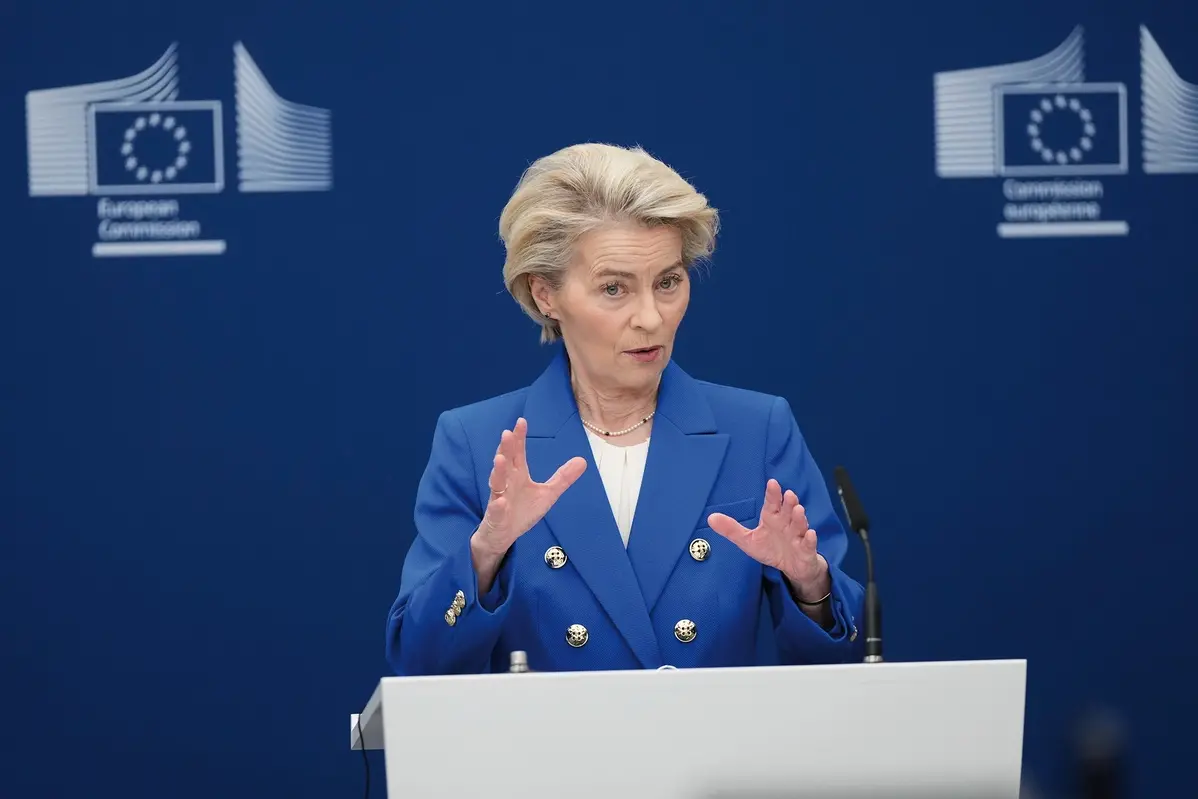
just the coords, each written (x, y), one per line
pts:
(618, 432)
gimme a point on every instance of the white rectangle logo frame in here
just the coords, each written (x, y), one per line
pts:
(215, 187)
(1067, 170)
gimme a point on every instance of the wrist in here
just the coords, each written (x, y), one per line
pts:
(486, 561)
(811, 585)
(484, 554)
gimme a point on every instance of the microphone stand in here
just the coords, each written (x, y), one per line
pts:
(873, 606)
(855, 514)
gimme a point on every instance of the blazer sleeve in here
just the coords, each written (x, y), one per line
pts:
(439, 624)
(799, 639)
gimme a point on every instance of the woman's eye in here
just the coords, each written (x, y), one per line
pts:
(611, 289)
(670, 281)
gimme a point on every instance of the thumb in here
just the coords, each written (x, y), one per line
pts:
(727, 526)
(566, 475)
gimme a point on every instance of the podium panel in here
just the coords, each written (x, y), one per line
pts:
(894, 730)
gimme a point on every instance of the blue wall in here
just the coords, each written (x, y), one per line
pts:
(209, 461)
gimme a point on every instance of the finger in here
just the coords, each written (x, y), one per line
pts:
(798, 517)
(728, 527)
(498, 481)
(773, 497)
(805, 542)
(790, 501)
(565, 476)
(505, 444)
(519, 437)
(809, 539)
(513, 449)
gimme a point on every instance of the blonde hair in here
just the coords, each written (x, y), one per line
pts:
(579, 188)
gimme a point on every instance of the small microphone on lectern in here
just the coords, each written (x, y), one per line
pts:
(859, 522)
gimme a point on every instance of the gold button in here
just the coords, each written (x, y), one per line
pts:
(555, 557)
(451, 618)
(459, 600)
(685, 631)
(853, 634)
(700, 549)
(576, 635)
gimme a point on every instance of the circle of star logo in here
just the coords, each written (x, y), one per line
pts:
(164, 125)
(1048, 107)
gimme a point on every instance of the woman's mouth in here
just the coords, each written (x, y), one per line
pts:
(645, 354)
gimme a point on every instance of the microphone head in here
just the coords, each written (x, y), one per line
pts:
(853, 510)
(1099, 748)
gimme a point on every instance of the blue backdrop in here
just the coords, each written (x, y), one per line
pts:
(209, 459)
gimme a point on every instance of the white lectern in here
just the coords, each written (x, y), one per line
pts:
(893, 730)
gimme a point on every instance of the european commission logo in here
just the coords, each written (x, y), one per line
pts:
(1051, 136)
(136, 145)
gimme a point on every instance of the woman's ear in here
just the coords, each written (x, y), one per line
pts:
(542, 295)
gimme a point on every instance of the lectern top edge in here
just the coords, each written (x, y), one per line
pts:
(890, 667)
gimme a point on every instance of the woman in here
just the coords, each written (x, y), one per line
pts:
(617, 513)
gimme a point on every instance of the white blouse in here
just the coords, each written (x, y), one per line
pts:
(621, 469)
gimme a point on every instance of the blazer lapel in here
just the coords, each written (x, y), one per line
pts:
(581, 520)
(685, 454)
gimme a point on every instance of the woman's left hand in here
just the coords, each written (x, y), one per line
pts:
(782, 540)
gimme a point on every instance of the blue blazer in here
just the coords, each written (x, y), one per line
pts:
(712, 449)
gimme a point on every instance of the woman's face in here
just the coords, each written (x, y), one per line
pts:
(623, 297)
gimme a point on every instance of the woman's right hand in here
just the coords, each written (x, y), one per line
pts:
(517, 502)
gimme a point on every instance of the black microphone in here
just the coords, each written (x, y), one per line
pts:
(859, 522)
(1099, 749)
